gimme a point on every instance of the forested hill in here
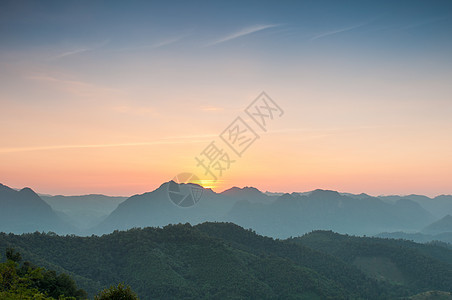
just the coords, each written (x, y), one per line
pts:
(223, 260)
(397, 261)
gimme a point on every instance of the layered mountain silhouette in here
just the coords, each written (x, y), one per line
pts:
(438, 231)
(418, 237)
(156, 209)
(249, 194)
(439, 206)
(84, 211)
(441, 226)
(293, 213)
(24, 211)
(273, 215)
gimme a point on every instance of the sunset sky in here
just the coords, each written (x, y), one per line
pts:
(118, 97)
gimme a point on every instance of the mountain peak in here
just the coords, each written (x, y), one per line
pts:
(27, 190)
(5, 188)
(247, 190)
(324, 193)
(169, 183)
(24, 211)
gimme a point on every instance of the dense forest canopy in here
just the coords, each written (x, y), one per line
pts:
(223, 260)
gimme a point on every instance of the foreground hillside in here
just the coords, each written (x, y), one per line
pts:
(223, 260)
(25, 281)
(395, 261)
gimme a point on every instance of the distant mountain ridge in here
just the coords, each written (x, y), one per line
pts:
(438, 206)
(419, 237)
(84, 211)
(441, 226)
(24, 211)
(271, 214)
(292, 214)
(438, 231)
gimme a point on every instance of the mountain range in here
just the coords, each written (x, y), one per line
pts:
(271, 214)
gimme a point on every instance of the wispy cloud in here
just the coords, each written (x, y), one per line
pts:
(337, 31)
(155, 45)
(163, 141)
(332, 129)
(79, 50)
(62, 147)
(165, 42)
(78, 88)
(71, 53)
(241, 33)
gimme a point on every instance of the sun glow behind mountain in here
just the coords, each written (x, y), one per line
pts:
(208, 183)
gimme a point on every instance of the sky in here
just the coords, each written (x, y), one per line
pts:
(117, 97)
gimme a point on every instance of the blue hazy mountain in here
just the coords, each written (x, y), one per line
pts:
(156, 209)
(439, 206)
(83, 211)
(249, 194)
(440, 230)
(24, 211)
(277, 216)
(293, 213)
(441, 226)
(418, 237)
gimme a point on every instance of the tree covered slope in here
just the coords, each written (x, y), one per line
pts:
(225, 261)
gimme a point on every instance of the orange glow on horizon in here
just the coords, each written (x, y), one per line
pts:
(125, 126)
